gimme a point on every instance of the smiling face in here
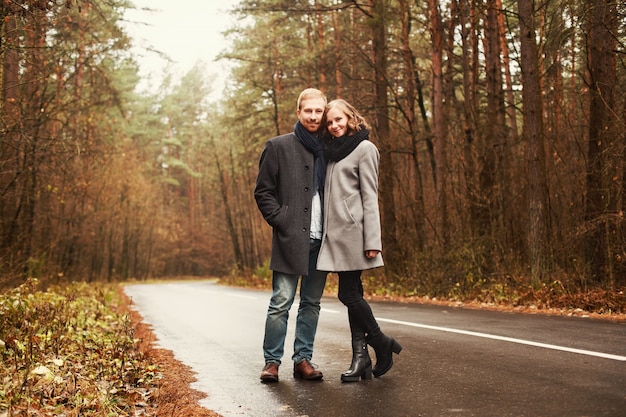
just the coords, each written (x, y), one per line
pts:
(336, 122)
(311, 113)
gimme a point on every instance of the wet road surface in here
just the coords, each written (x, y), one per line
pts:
(455, 362)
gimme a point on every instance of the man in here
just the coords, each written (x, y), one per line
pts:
(289, 193)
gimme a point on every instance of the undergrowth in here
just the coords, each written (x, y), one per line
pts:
(68, 351)
(471, 287)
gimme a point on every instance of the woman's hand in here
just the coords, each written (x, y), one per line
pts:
(369, 254)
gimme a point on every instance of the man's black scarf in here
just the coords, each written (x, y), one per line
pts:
(339, 148)
(314, 145)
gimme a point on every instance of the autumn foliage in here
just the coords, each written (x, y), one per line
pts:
(500, 123)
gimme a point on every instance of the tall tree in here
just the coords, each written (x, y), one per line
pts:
(10, 145)
(387, 186)
(601, 197)
(538, 236)
(439, 127)
(469, 69)
(511, 112)
(408, 105)
(491, 169)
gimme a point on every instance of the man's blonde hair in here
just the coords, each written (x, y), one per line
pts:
(310, 93)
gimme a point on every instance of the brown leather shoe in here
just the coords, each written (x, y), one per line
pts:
(304, 370)
(270, 372)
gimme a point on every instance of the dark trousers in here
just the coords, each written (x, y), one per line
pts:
(362, 321)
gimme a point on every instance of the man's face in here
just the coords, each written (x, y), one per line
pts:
(310, 113)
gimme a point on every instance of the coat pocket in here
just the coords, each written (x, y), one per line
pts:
(353, 207)
(281, 221)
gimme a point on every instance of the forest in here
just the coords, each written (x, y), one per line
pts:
(501, 126)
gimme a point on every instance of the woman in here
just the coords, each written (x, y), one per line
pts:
(351, 241)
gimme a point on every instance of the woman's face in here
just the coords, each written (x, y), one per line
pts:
(337, 122)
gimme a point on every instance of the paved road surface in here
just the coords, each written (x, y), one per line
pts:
(455, 362)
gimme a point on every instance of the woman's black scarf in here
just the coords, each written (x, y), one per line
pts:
(339, 148)
(314, 145)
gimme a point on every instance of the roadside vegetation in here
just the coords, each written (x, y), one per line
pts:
(70, 351)
(557, 296)
(79, 350)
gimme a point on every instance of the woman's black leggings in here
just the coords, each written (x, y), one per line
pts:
(360, 314)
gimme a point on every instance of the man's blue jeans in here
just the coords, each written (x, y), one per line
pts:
(283, 294)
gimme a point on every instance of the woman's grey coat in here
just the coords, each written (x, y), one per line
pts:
(284, 194)
(351, 213)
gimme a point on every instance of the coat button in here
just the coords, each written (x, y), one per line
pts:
(304, 229)
(306, 189)
(306, 167)
(306, 209)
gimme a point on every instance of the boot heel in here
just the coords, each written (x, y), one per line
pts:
(367, 373)
(361, 366)
(396, 347)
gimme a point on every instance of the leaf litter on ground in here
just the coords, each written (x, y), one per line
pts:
(75, 350)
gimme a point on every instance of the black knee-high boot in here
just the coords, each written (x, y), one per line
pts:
(361, 366)
(385, 347)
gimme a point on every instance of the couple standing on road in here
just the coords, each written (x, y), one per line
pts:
(319, 192)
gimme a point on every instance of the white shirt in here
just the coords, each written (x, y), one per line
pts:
(316, 217)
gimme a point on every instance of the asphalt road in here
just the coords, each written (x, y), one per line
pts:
(455, 362)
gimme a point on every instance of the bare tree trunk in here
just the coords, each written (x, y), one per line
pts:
(320, 45)
(338, 56)
(192, 185)
(507, 130)
(277, 83)
(428, 134)
(230, 223)
(472, 146)
(34, 79)
(469, 115)
(379, 37)
(538, 235)
(410, 116)
(10, 148)
(491, 175)
(601, 199)
(439, 128)
(506, 66)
